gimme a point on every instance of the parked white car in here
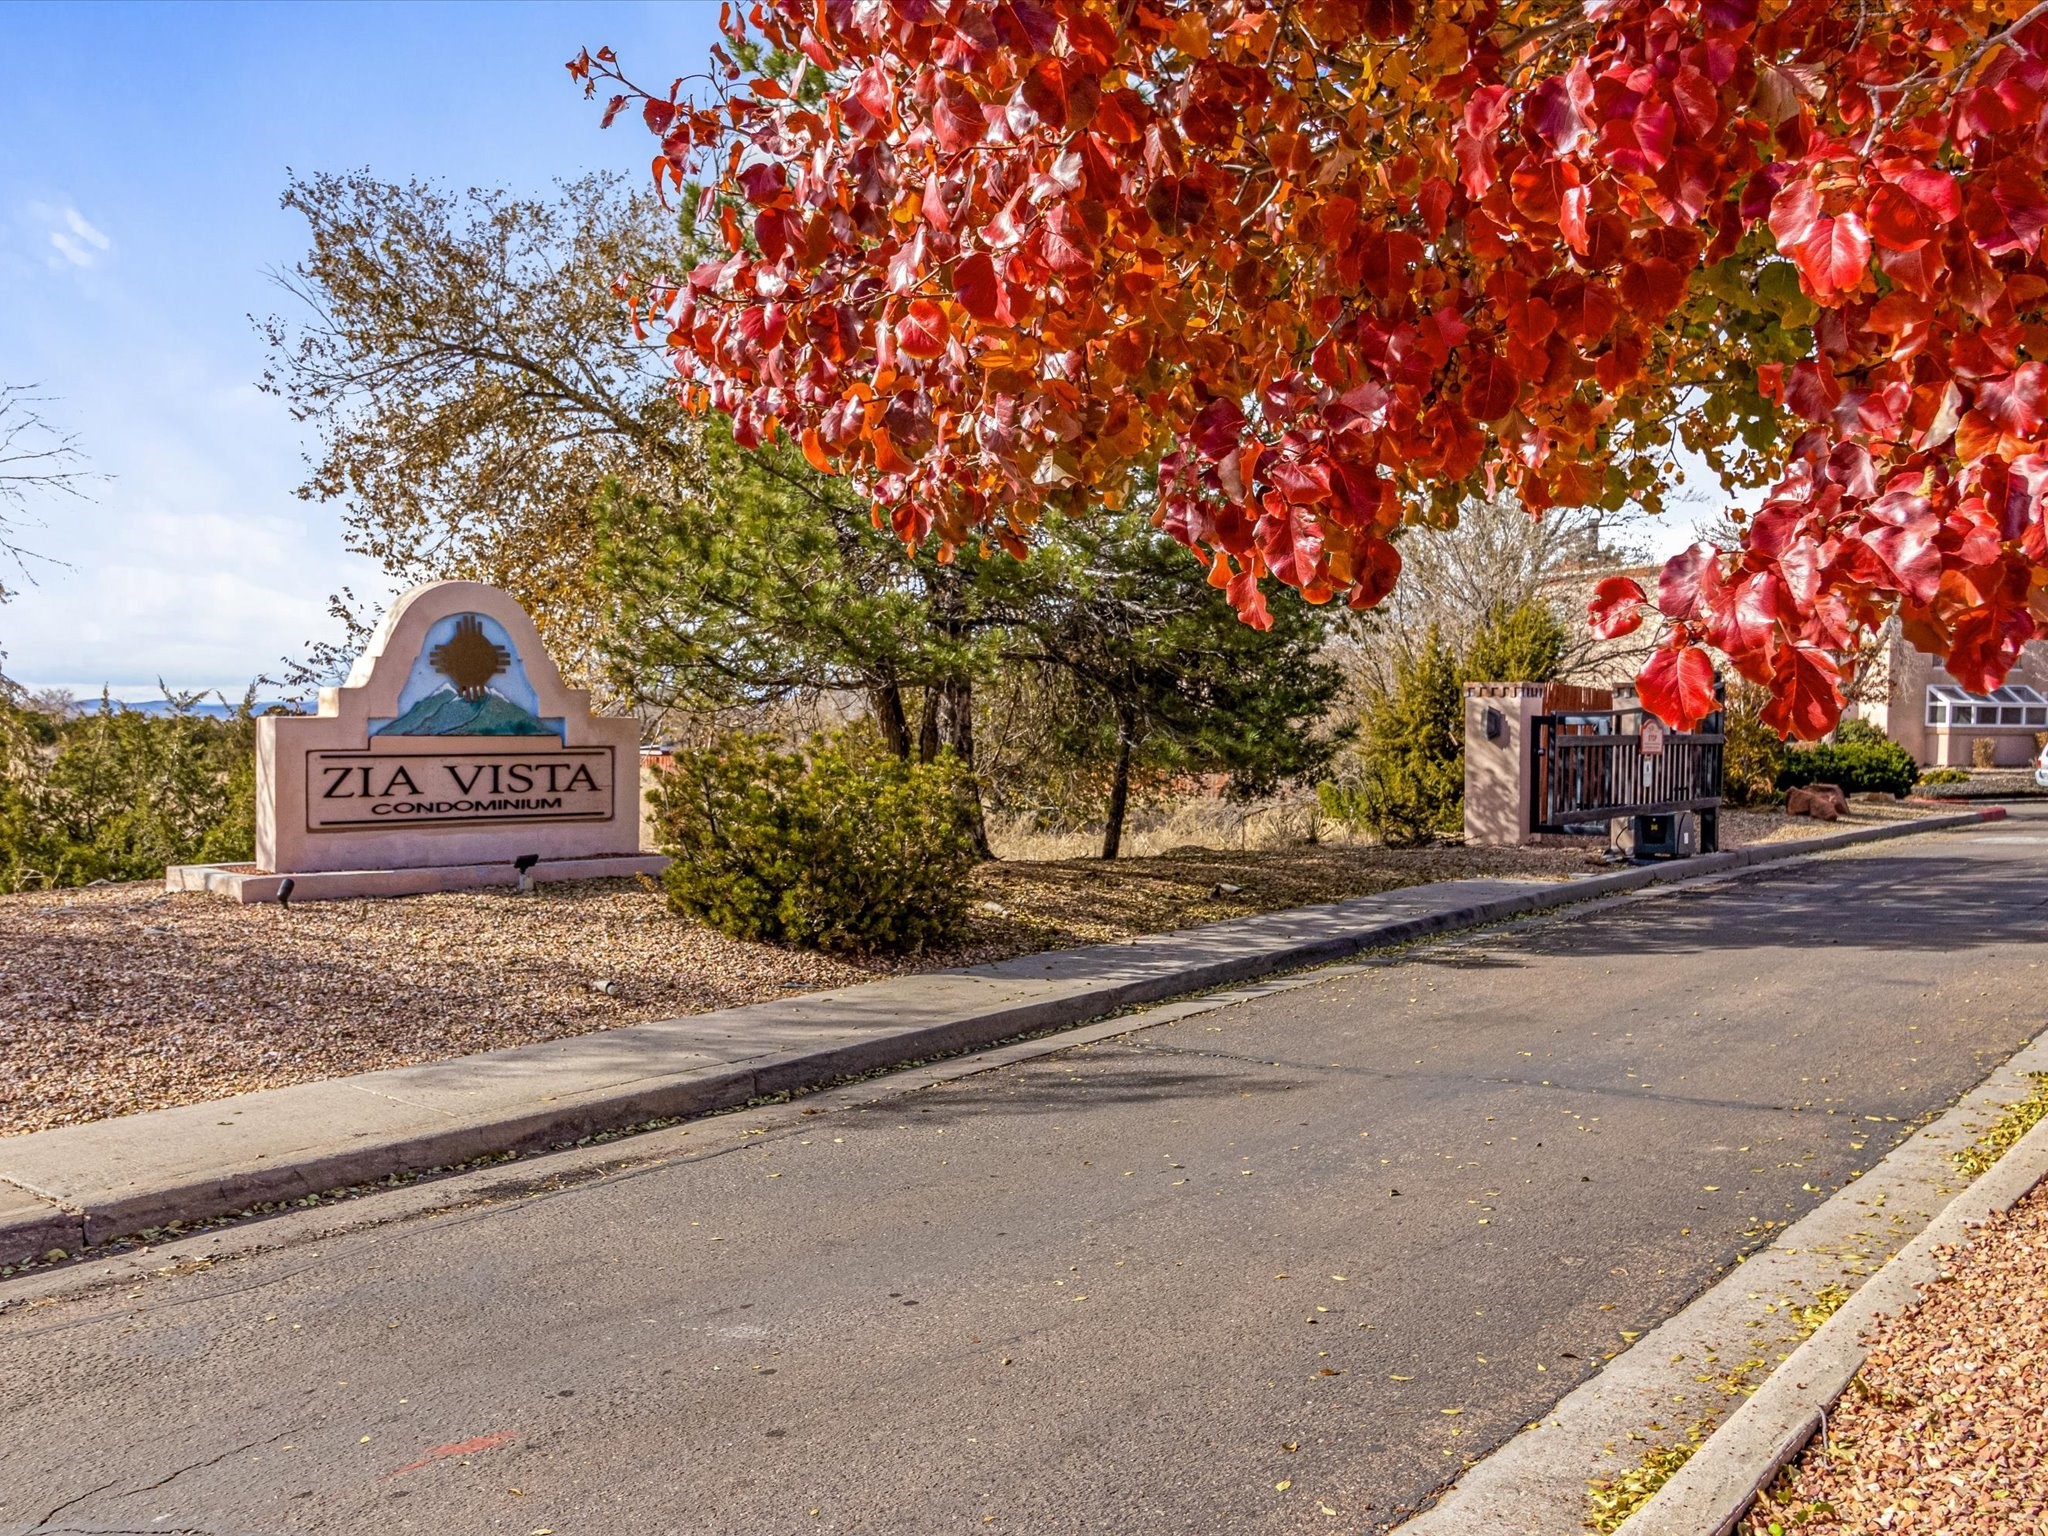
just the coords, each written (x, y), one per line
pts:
(2041, 769)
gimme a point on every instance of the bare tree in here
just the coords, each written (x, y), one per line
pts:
(473, 380)
(1496, 557)
(37, 460)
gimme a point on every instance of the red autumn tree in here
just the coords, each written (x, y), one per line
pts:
(1330, 266)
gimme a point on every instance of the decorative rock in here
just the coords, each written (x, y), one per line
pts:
(1823, 802)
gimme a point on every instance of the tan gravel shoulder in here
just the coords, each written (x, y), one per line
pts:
(1945, 1430)
(120, 998)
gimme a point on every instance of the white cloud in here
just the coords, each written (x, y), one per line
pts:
(193, 562)
(73, 236)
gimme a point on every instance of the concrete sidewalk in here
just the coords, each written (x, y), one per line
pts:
(87, 1184)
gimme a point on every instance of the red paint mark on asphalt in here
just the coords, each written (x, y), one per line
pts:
(459, 1448)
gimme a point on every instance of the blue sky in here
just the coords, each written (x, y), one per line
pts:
(145, 150)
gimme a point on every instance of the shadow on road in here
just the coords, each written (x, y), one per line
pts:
(1939, 904)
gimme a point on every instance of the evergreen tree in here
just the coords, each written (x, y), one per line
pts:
(1525, 643)
(1409, 786)
(1164, 677)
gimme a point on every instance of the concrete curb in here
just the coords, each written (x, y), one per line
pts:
(110, 1179)
(1711, 1493)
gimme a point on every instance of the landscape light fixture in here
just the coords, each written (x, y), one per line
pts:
(285, 887)
(524, 864)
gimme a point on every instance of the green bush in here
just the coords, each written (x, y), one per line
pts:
(116, 794)
(1408, 783)
(1523, 644)
(1751, 760)
(1859, 733)
(1945, 776)
(1859, 768)
(843, 848)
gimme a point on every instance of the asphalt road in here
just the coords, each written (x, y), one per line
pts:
(1280, 1267)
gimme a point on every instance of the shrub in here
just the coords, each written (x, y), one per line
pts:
(1945, 776)
(1754, 754)
(1859, 733)
(1408, 785)
(1859, 768)
(1523, 644)
(843, 848)
(116, 794)
(1983, 753)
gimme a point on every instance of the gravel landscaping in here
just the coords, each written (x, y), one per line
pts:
(1945, 1430)
(121, 998)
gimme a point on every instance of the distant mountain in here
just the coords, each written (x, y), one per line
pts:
(211, 709)
(447, 713)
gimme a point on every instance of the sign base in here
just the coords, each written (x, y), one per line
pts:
(248, 884)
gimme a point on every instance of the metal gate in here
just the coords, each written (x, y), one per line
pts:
(1591, 769)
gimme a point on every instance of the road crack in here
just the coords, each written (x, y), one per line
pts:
(200, 1466)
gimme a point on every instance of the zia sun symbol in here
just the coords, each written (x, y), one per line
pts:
(469, 658)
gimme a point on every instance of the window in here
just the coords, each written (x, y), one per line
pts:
(2014, 705)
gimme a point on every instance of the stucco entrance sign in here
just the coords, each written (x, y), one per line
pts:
(453, 752)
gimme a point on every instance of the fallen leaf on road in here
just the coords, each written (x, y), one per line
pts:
(456, 1448)
(1283, 1485)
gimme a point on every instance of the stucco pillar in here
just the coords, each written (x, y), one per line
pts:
(1500, 762)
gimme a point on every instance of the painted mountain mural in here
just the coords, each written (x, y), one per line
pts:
(447, 713)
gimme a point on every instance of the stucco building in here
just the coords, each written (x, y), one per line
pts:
(1913, 700)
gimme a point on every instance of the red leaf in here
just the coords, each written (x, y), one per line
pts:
(1248, 600)
(1899, 221)
(1678, 686)
(1045, 92)
(1434, 204)
(1678, 584)
(1793, 212)
(814, 452)
(1909, 554)
(1485, 110)
(979, 291)
(1806, 694)
(922, 332)
(2015, 403)
(1811, 391)
(1378, 566)
(1934, 190)
(1653, 288)
(1617, 607)
(1176, 204)
(874, 92)
(1386, 20)
(1291, 543)
(1835, 256)
(1490, 385)
(1553, 117)
(1217, 426)
(957, 121)
(2016, 190)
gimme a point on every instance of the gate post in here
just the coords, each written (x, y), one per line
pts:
(1500, 763)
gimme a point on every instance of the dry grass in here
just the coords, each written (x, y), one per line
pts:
(1740, 828)
(1944, 1431)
